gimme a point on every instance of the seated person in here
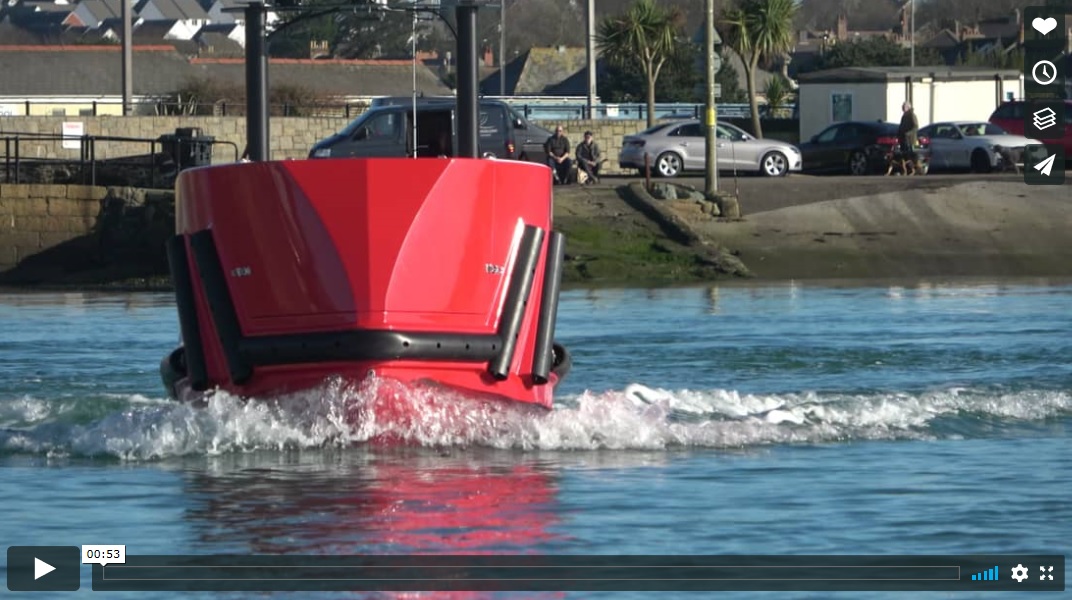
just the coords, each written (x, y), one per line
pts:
(589, 157)
(557, 148)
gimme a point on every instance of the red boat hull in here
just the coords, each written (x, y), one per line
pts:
(440, 270)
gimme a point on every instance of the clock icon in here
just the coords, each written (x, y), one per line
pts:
(1044, 72)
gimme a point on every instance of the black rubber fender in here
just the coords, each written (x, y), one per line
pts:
(563, 361)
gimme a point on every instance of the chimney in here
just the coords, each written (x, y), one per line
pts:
(489, 57)
(842, 27)
(318, 49)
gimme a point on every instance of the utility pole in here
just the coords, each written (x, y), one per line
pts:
(913, 33)
(128, 58)
(590, 51)
(711, 158)
(502, 47)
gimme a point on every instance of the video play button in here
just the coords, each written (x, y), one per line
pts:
(43, 568)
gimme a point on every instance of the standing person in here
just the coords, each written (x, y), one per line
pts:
(589, 157)
(557, 148)
(908, 135)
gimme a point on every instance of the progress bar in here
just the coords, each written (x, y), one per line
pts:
(581, 573)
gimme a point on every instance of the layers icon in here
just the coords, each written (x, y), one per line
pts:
(1044, 118)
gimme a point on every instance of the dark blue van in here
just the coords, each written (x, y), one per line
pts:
(390, 129)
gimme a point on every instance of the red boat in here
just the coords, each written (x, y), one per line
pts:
(420, 270)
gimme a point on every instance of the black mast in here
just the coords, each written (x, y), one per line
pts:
(256, 82)
(467, 110)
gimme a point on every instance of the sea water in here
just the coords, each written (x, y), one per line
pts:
(902, 418)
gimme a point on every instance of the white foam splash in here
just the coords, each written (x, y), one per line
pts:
(342, 413)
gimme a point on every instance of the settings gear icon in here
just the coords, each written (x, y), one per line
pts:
(1019, 573)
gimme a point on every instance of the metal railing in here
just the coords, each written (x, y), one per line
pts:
(143, 108)
(555, 110)
(158, 166)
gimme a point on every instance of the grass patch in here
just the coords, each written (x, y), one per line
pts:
(626, 250)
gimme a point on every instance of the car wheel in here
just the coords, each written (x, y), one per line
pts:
(980, 161)
(774, 164)
(668, 164)
(858, 163)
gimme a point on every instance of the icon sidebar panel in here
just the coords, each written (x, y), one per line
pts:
(1045, 39)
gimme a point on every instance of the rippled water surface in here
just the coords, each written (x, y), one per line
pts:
(921, 418)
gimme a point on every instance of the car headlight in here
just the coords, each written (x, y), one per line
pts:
(322, 153)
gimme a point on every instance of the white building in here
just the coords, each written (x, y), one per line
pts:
(876, 94)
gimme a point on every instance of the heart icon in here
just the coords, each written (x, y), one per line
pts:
(1044, 26)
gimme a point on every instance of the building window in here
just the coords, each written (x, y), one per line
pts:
(59, 112)
(85, 112)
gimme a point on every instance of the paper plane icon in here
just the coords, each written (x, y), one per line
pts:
(1046, 165)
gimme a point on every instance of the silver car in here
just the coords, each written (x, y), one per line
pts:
(680, 146)
(970, 145)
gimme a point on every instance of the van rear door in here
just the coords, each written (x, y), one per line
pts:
(492, 135)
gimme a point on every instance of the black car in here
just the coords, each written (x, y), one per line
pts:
(854, 147)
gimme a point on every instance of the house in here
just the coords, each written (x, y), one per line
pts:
(230, 11)
(957, 40)
(222, 11)
(812, 43)
(221, 40)
(90, 14)
(69, 80)
(147, 32)
(187, 12)
(350, 81)
(85, 80)
(24, 12)
(558, 71)
(876, 93)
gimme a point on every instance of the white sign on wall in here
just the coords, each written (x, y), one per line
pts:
(841, 106)
(7, 110)
(72, 134)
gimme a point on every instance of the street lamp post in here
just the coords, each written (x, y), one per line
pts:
(913, 33)
(128, 58)
(502, 47)
(711, 111)
(590, 54)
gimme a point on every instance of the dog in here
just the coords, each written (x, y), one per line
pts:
(900, 162)
(1011, 158)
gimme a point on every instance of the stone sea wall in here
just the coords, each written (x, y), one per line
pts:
(37, 217)
(72, 232)
(291, 137)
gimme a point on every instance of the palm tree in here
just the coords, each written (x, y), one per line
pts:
(645, 36)
(759, 30)
(778, 90)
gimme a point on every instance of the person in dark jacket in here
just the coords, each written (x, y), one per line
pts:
(908, 135)
(589, 158)
(557, 148)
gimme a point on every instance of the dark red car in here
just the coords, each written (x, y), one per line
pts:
(1010, 117)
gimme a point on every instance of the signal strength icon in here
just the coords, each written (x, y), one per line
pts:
(987, 575)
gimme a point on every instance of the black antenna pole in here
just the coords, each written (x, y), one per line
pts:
(256, 83)
(465, 12)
